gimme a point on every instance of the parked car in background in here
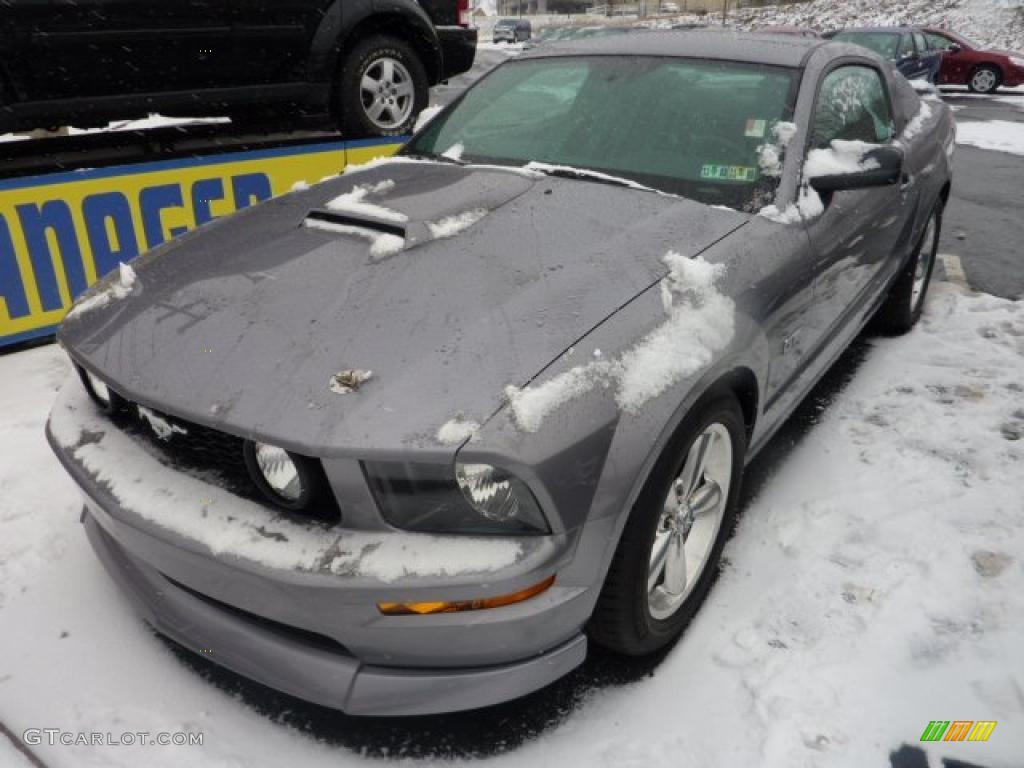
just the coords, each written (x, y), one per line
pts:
(512, 31)
(532, 443)
(966, 62)
(790, 30)
(366, 65)
(906, 47)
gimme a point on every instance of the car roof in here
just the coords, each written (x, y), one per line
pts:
(717, 44)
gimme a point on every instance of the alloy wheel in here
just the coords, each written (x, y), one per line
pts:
(691, 517)
(984, 80)
(387, 93)
(925, 257)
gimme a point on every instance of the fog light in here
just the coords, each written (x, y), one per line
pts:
(100, 393)
(440, 606)
(276, 472)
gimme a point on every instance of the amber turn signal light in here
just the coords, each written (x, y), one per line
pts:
(411, 609)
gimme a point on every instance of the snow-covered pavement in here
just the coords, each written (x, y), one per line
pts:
(875, 583)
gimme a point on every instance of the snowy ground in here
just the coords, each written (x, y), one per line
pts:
(875, 583)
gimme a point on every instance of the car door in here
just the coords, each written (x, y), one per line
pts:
(853, 240)
(955, 59)
(272, 39)
(931, 60)
(89, 48)
(908, 62)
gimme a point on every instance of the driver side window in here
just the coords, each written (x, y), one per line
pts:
(852, 106)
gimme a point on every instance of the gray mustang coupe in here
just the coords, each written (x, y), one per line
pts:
(406, 441)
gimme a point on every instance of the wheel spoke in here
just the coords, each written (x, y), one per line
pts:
(375, 110)
(706, 499)
(387, 71)
(659, 554)
(675, 565)
(403, 89)
(696, 463)
(369, 84)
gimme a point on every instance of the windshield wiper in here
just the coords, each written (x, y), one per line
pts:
(441, 158)
(585, 174)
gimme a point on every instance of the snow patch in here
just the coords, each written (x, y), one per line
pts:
(163, 429)
(118, 288)
(770, 154)
(458, 430)
(354, 202)
(996, 135)
(382, 244)
(701, 322)
(454, 152)
(426, 116)
(450, 226)
(917, 123)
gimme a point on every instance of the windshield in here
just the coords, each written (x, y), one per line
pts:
(690, 127)
(884, 43)
(505, 24)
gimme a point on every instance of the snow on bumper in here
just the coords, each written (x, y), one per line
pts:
(295, 606)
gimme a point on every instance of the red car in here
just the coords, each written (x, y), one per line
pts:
(967, 63)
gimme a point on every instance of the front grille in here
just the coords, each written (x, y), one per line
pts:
(219, 457)
(189, 446)
(285, 631)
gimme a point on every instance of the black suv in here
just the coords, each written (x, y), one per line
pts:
(367, 63)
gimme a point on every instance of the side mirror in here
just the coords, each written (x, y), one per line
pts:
(885, 169)
(954, 48)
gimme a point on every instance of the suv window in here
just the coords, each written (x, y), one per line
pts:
(919, 41)
(852, 106)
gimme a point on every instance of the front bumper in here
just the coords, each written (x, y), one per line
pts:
(311, 670)
(309, 625)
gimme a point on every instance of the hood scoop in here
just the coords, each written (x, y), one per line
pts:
(316, 218)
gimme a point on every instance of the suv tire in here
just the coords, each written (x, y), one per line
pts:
(382, 88)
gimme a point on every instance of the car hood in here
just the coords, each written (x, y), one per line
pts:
(242, 325)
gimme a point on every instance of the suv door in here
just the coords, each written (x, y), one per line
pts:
(855, 237)
(272, 39)
(88, 48)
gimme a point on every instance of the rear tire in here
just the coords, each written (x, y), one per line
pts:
(905, 302)
(382, 88)
(985, 79)
(642, 609)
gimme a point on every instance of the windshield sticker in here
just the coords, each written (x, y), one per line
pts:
(728, 172)
(756, 128)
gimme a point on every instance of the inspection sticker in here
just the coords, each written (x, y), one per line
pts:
(728, 172)
(756, 128)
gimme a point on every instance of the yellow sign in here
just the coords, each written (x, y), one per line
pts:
(61, 232)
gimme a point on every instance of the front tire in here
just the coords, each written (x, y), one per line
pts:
(669, 552)
(905, 302)
(383, 87)
(985, 79)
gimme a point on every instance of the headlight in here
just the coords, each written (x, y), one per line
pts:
(297, 483)
(472, 499)
(1017, 61)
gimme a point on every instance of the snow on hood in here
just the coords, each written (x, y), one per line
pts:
(700, 322)
(445, 324)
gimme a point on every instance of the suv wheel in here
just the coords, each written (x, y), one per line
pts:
(383, 88)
